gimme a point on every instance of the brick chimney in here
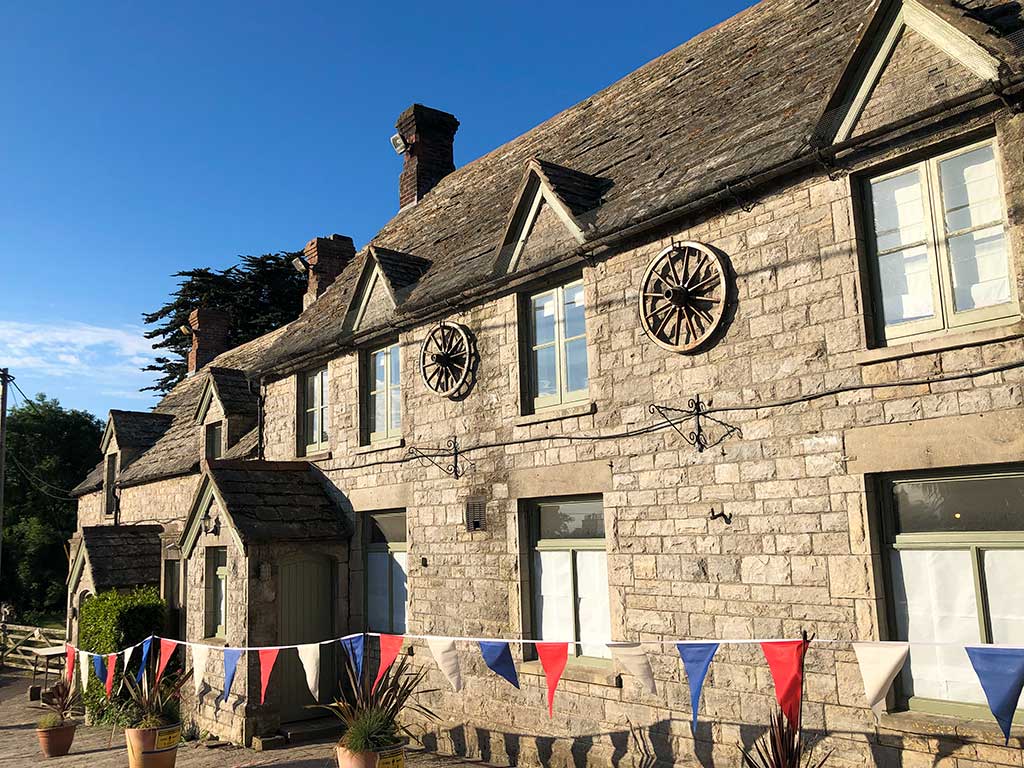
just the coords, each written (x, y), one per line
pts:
(430, 136)
(325, 258)
(209, 336)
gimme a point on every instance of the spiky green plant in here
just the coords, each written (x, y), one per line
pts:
(154, 706)
(781, 746)
(61, 700)
(371, 716)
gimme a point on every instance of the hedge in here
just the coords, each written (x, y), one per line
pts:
(111, 621)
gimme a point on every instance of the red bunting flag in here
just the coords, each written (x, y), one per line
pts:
(553, 657)
(390, 645)
(111, 664)
(69, 664)
(166, 650)
(786, 661)
(268, 657)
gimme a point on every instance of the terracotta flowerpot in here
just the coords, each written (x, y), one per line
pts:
(153, 747)
(390, 758)
(56, 742)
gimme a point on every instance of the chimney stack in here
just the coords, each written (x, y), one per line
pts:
(209, 336)
(429, 136)
(325, 257)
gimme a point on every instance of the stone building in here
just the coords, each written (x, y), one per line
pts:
(731, 349)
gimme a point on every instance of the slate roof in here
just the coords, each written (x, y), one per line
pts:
(401, 270)
(579, 191)
(138, 429)
(245, 447)
(276, 501)
(232, 387)
(123, 555)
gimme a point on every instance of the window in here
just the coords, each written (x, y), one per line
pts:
(569, 573)
(386, 574)
(938, 244)
(172, 595)
(383, 388)
(214, 440)
(557, 346)
(216, 591)
(314, 411)
(109, 481)
(955, 550)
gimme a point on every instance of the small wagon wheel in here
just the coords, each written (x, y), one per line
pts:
(445, 358)
(682, 296)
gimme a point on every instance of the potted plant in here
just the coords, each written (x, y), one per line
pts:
(56, 731)
(156, 731)
(373, 732)
(781, 747)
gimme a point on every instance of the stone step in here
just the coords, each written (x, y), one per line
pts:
(320, 729)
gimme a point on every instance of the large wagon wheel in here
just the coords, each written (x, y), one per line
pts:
(445, 358)
(682, 296)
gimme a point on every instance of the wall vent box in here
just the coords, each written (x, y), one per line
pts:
(476, 518)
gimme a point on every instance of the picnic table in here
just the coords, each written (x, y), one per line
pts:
(46, 655)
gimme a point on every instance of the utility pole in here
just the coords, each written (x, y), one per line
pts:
(4, 378)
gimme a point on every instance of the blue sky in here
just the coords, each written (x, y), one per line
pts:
(139, 139)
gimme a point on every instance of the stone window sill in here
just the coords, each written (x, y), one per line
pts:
(941, 343)
(928, 724)
(593, 671)
(557, 413)
(318, 456)
(381, 445)
(216, 642)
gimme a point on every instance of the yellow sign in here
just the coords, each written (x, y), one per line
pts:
(391, 759)
(167, 738)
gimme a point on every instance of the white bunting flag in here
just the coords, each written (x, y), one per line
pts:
(879, 665)
(447, 659)
(83, 667)
(634, 660)
(127, 656)
(309, 655)
(200, 653)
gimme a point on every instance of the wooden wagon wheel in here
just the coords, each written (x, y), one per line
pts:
(445, 358)
(682, 296)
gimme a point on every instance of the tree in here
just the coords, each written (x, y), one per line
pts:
(259, 294)
(49, 450)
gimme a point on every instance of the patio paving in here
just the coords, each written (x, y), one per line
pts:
(99, 747)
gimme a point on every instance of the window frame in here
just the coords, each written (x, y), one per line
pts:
(218, 427)
(562, 396)
(215, 572)
(110, 466)
(316, 445)
(389, 548)
(975, 542)
(531, 510)
(391, 390)
(946, 320)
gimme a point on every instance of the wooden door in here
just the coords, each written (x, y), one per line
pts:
(306, 614)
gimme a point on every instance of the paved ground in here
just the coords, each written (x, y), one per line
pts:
(98, 748)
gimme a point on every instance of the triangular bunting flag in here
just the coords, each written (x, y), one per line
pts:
(498, 659)
(231, 657)
(83, 669)
(354, 648)
(879, 664)
(447, 659)
(111, 666)
(634, 660)
(1001, 674)
(200, 653)
(309, 655)
(696, 660)
(786, 661)
(145, 657)
(553, 657)
(390, 645)
(99, 668)
(128, 653)
(69, 662)
(166, 651)
(268, 658)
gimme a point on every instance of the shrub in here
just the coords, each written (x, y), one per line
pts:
(50, 720)
(111, 621)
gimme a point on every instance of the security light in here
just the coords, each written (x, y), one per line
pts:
(300, 265)
(399, 144)
(185, 330)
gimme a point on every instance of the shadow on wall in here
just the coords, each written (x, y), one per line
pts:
(653, 746)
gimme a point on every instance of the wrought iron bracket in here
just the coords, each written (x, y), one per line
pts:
(450, 459)
(735, 192)
(720, 516)
(829, 165)
(697, 411)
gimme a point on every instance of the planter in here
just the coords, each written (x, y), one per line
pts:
(153, 747)
(56, 742)
(390, 758)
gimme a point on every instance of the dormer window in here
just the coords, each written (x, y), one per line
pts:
(109, 482)
(215, 440)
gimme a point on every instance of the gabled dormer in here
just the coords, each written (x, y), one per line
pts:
(549, 216)
(387, 279)
(127, 436)
(227, 411)
(915, 54)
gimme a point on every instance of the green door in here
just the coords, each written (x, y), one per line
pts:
(306, 614)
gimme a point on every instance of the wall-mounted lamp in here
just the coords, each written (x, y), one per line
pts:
(185, 329)
(300, 265)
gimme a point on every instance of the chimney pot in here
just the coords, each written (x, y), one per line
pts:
(429, 156)
(209, 336)
(325, 258)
